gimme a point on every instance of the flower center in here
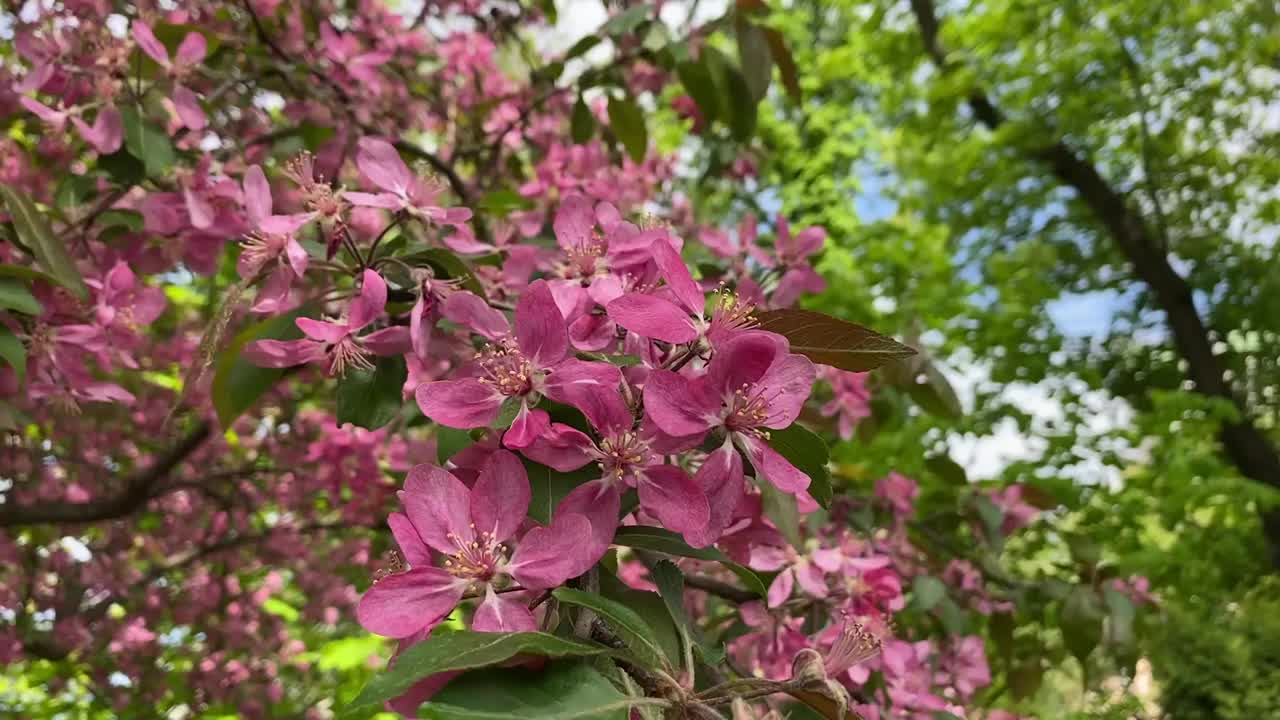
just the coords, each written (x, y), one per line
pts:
(584, 260)
(747, 410)
(622, 453)
(507, 369)
(348, 353)
(475, 560)
(730, 312)
(855, 644)
(261, 248)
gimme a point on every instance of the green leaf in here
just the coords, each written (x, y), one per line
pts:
(349, 653)
(927, 592)
(639, 638)
(934, 394)
(582, 124)
(755, 57)
(15, 296)
(238, 383)
(1120, 616)
(664, 541)
(548, 487)
(830, 341)
(619, 360)
(786, 63)
(670, 582)
(34, 231)
(502, 201)
(809, 454)
(583, 45)
(146, 142)
(372, 398)
(1081, 622)
(25, 274)
(992, 519)
(447, 266)
(507, 413)
(697, 80)
(627, 122)
(123, 168)
(648, 605)
(627, 21)
(280, 609)
(461, 650)
(13, 352)
(782, 510)
(947, 470)
(735, 97)
(451, 441)
(1025, 679)
(562, 691)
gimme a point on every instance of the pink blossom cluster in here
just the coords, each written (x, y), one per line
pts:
(576, 339)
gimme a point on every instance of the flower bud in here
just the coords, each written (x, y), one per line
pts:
(807, 669)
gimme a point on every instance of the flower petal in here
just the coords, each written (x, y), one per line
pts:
(403, 604)
(772, 466)
(721, 479)
(188, 107)
(780, 588)
(676, 273)
(743, 361)
(415, 551)
(653, 317)
(669, 494)
(388, 341)
(372, 299)
(283, 353)
(192, 49)
(675, 405)
(599, 502)
(386, 201)
(466, 403)
(471, 311)
(786, 385)
(527, 427)
(257, 195)
(149, 44)
(382, 164)
(561, 448)
(547, 556)
(574, 223)
(541, 331)
(592, 387)
(320, 330)
(499, 614)
(500, 496)
(439, 506)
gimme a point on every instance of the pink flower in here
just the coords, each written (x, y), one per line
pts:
(852, 399)
(272, 241)
(678, 315)
(190, 54)
(791, 255)
(627, 458)
(337, 343)
(402, 190)
(1018, 513)
(808, 570)
(767, 649)
(471, 528)
(751, 385)
(900, 491)
(537, 363)
(968, 665)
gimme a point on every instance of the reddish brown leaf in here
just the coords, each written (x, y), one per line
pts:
(829, 341)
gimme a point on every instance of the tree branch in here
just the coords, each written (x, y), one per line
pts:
(136, 493)
(1247, 446)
